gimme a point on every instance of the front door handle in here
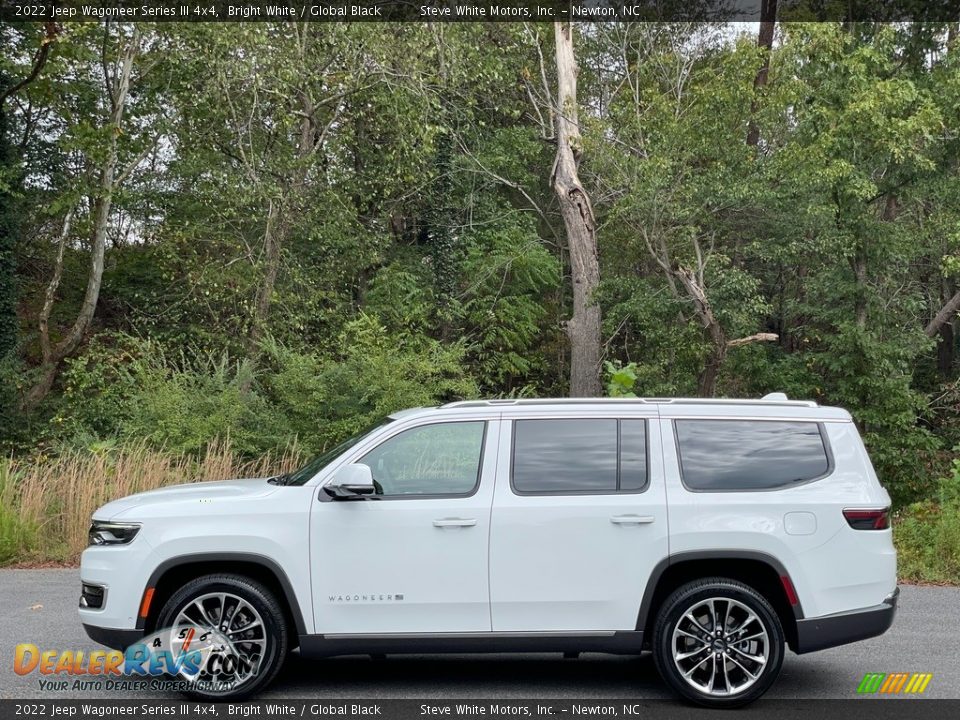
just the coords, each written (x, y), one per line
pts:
(454, 522)
(632, 519)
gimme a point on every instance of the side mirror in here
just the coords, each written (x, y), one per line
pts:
(351, 482)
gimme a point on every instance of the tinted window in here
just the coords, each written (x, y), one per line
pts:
(440, 459)
(579, 456)
(633, 455)
(749, 454)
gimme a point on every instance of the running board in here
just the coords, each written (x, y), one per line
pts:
(621, 642)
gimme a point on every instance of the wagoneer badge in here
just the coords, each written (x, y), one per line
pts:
(367, 598)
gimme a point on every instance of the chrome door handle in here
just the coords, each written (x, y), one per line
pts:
(454, 522)
(632, 519)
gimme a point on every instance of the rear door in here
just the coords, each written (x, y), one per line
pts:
(579, 521)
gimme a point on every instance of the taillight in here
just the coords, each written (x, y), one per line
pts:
(868, 519)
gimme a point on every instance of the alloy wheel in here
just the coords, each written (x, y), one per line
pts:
(720, 646)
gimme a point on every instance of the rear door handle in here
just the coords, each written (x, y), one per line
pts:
(454, 522)
(632, 519)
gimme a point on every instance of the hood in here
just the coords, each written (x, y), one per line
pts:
(192, 493)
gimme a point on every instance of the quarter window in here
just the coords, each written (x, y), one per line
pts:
(579, 456)
(438, 459)
(749, 454)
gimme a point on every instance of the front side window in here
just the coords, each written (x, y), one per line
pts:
(308, 471)
(438, 459)
(579, 456)
(723, 455)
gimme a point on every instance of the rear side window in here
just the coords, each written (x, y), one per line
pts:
(723, 455)
(560, 457)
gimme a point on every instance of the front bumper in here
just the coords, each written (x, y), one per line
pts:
(113, 637)
(829, 631)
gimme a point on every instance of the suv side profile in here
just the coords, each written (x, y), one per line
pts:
(713, 533)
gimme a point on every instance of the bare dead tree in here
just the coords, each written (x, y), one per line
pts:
(583, 327)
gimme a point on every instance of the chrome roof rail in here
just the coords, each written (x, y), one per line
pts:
(776, 398)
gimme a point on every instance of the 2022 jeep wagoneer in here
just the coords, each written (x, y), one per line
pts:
(711, 533)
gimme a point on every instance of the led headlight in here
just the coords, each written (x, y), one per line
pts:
(112, 533)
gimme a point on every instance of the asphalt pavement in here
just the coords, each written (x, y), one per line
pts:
(39, 607)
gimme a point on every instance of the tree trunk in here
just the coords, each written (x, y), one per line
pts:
(707, 381)
(719, 345)
(768, 23)
(944, 315)
(53, 355)
(858, 263)
(583, 328)
(272, 240)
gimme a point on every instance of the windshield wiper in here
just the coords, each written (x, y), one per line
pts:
(279, 479)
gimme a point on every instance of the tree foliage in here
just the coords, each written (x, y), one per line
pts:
(312, 225)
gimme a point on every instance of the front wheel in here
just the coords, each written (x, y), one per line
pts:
(718, 643)
(235, 629)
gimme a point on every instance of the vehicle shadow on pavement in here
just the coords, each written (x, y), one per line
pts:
(425, 676)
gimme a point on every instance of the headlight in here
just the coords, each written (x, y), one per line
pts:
(112, 533)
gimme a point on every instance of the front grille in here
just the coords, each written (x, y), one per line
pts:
(91, 596)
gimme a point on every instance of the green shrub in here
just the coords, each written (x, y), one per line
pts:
(374, 373)
(128, 389)
(927, 535)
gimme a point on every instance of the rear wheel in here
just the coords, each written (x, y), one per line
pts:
(235, 626)
(718, 643)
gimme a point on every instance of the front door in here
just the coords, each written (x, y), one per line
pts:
(579, 522)
(414, 558)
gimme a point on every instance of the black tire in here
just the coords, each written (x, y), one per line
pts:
(275, 632)
(733, 686)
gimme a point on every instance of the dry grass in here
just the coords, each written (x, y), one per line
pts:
(46, 502)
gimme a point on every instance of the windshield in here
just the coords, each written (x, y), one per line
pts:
(299, 477)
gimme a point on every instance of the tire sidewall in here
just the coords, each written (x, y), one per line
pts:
(262, 600)
(678, 604)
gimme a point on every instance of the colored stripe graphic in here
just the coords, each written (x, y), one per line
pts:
(894, 683)
(871, 682)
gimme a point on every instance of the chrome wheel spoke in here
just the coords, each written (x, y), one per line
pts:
(759, 659)
(750, 674)
(751, 617)
(689, 616)
(692, 670)
(223, 609)
(692, 653)
(249, 626)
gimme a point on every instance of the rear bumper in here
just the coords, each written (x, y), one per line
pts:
(829, 631)
(113, 637)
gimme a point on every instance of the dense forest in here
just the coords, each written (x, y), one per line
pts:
(266, 236)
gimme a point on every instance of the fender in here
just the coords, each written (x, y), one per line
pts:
(220, 557)
(661, 567)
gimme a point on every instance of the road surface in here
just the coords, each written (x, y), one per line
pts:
(39, 607)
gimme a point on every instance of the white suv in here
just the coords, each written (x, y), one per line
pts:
(711, 533)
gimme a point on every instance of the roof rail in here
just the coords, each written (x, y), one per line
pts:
(776, 398)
